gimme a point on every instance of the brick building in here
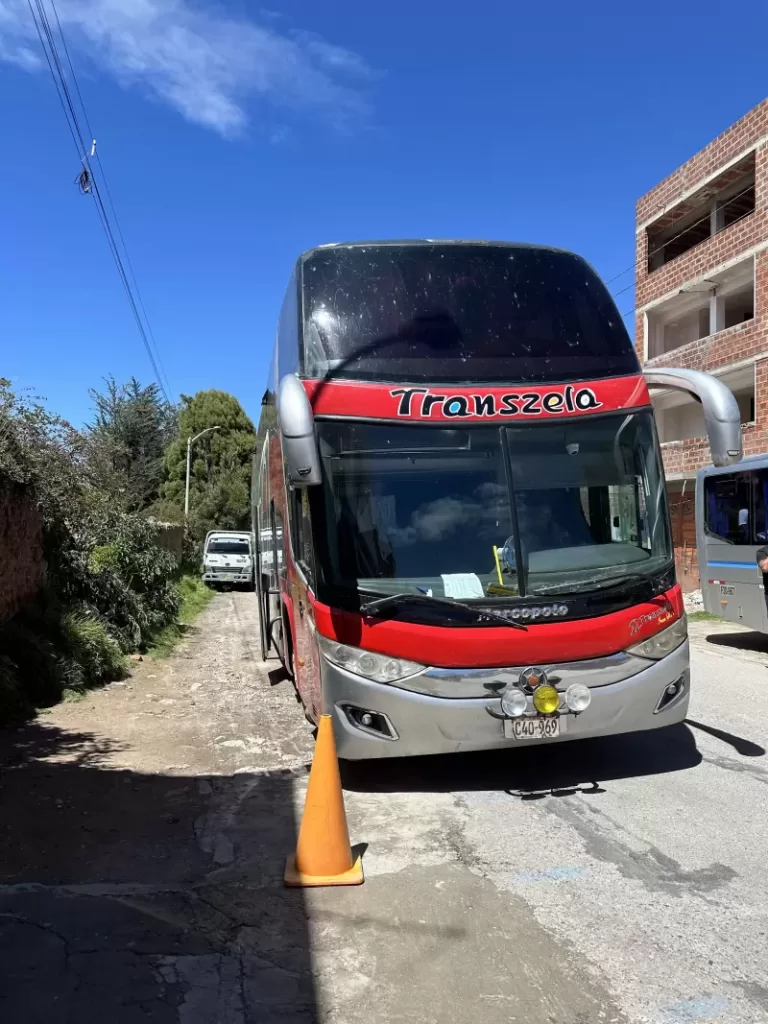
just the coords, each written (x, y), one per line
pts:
(702, 301)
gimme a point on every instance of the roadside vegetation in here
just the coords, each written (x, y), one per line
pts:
(102, 493)
(193, 598)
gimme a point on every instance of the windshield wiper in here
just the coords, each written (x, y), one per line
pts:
(394, 600)
(603, 583)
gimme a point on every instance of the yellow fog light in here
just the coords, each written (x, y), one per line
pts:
(546, 699)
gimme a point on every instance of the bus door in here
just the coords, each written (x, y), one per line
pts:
(269, 563)
(734, 524)
(306, 663)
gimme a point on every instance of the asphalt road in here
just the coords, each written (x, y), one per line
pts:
(144, 833)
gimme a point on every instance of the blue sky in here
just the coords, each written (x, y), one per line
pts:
(234, 137)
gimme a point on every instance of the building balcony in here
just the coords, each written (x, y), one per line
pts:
(708, 323)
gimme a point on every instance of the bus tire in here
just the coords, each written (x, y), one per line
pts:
(289, 663)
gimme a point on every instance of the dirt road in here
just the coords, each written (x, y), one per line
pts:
(144, 832)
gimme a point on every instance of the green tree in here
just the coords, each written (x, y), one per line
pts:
(126, 442)
(109, 588)
(220, 476)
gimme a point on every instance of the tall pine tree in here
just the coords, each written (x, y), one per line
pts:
(220, 476)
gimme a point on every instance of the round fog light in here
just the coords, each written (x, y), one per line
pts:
(578, 697)
(513, 702)
(546, 699)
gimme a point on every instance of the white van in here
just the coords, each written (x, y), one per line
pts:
(228, 558)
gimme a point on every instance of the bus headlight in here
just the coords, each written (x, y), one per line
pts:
(379, 667)
(513, 702)
(546, 699)
(578, 697)
(659, 646)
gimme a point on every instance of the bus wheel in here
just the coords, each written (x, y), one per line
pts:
(289, 662)
(281, 640)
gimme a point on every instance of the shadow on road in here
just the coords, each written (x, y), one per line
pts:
(128, 897)
(741, 641)
(740, 744)
(561, 768)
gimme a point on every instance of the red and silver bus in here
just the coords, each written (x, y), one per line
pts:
(460, 515)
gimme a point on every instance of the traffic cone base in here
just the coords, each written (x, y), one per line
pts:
(323, 854)
(294, 878)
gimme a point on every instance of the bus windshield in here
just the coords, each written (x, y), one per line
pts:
(491, 512)
(450, 312)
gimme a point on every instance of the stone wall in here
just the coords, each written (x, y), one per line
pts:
(171, 537)
(22, 567)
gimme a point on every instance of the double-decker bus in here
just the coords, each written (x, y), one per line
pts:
(461, 516)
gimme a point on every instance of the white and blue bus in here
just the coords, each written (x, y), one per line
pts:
(731, 525)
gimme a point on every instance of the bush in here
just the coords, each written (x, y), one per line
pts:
(193, 597)
(118, 573)
(34, 669)
(111, 587)
(93, 650)
(44, 653)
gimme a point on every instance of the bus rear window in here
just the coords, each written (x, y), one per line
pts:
(459, 313)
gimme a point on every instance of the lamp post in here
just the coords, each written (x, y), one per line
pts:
(190, 442)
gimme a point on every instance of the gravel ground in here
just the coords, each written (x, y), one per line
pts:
(144, 832)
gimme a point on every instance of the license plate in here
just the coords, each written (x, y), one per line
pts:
(726, 591)
(533, 728)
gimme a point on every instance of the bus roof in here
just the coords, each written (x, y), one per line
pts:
(449, 311)
(381, 243)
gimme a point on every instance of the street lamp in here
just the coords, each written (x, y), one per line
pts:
(190, 442)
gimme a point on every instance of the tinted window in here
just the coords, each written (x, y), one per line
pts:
(474, 313)
(229, 547)
(302, 531)
(760, 517)
(728, 508)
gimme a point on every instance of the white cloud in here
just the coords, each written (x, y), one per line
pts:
(202, 62)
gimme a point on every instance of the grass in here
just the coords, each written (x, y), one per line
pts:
(704, 617)
(73, 696)
(193, 598)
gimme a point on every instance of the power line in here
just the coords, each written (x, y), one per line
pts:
(88, 182)
(112, 204)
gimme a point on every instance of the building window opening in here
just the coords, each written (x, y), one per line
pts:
(739, 307)
(717, 206)
(740, 205)
(703, 308)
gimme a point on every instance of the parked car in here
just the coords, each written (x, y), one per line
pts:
(228, 558)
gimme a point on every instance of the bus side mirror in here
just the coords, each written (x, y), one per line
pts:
(297, 431)
(721, 411)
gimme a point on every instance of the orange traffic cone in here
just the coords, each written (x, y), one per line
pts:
(323, 854)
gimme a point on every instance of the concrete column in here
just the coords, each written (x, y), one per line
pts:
(716, 313)
(715, 217)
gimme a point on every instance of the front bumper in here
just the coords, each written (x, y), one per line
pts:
(425, 724)
(227, 577)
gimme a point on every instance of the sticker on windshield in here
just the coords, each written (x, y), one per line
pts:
(462, 585)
